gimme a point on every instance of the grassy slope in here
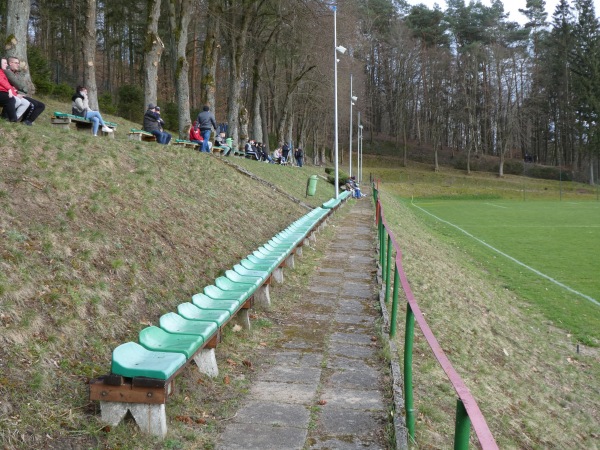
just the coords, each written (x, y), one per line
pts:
(99, 238)
(533, 388)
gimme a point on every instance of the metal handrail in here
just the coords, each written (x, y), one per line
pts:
(467, 410)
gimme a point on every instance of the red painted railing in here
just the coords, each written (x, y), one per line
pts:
(468, 413)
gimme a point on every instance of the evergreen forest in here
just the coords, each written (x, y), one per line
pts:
(468, 78)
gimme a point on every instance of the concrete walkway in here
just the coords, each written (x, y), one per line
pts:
(324, 388)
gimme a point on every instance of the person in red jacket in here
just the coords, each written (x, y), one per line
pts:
(7, 98)
(196, 135)
(21, 103)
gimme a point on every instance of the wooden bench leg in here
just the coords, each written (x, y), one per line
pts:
(278, 275)
(207, 362)
(262, 297)
(290, 262)
(152, 419)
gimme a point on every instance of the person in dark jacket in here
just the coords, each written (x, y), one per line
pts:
(299, 155)
(154, 124)
(13, 73)
(206, 122)
(285, 152)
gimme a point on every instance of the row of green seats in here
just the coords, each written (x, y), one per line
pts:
(163, 350)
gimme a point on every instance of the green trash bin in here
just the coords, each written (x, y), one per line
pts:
(311, 185)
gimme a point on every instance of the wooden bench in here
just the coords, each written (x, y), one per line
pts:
(141, 135)
(143, 374)
(64, 121)
(186, 143)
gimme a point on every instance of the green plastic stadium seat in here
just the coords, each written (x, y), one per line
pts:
(132, 360)
(203, 301)
(190, 311)
(174, 323)
(158, 340)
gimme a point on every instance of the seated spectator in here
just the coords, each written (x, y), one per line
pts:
(355, 188)
(196, 135)
(250, 150)
(13, 73)
(7, 99)
(277, 156)
(264, 155)
(81, 107)
(21, 105)
(220, 143)
(154, 124)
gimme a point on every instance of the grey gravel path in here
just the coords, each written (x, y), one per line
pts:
(325, 388)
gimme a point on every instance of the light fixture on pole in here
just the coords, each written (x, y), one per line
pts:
(352, 100)
(342, 50)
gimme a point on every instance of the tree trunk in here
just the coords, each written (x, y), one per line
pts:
(17, 20)
(182, 67)
(89, 53)
(152, 52)
(208, 84)
(265, 126)
(243, 120)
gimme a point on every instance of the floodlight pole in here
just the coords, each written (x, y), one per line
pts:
(352, 100)
(335, 153)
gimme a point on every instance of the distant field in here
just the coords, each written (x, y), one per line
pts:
(545, 251)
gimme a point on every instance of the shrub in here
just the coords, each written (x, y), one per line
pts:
(63, 92)
(39, 70)
(342, 176)
(106, 104)
(130, 103)
(547, 172)
(170, 114)
(514, 166)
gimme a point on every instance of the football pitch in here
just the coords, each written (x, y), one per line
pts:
(547, 252)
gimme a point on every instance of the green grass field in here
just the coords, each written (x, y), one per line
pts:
(545, 251)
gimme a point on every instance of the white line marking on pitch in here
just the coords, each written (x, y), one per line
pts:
(537, 272)
(497, 206)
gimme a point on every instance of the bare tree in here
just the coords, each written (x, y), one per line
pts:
(17, 19)
(153, 50)
(89, 53)
(180, 13)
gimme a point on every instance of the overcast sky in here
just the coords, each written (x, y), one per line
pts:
(510, 6)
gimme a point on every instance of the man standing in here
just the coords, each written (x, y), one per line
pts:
(206, 122)
(299, 155)
(13, 73)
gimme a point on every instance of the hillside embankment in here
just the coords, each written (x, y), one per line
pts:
(100, 237)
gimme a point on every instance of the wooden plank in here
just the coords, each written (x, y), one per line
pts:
(128, 394)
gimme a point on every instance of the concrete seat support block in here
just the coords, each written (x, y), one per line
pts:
(278, 275)
(206, 361)
(152, 419)
(262, 297)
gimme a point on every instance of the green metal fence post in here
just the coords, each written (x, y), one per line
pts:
(394, 317)
(408, 384)
(382, 248)
(388, 268)
(462, 427)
